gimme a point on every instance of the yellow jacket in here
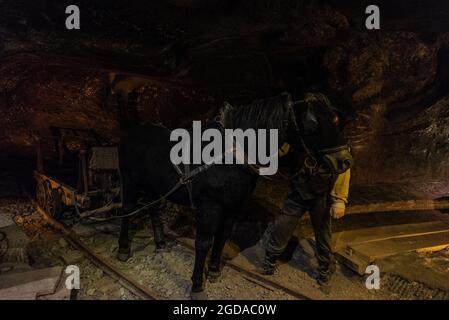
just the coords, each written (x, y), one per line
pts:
(340, 191)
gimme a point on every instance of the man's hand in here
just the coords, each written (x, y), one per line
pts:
(337, 212)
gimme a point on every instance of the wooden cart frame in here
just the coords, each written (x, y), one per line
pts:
(98, 176)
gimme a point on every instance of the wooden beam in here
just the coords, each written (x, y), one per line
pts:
(110, 207)
(398, 206)
(371, 251)
(391, 206)
(365, 235)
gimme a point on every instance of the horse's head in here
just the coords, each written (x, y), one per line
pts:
(320, 128)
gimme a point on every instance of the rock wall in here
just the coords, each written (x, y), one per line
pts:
(382, 77)
(393, 81)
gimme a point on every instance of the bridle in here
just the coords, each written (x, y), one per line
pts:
(311, 160)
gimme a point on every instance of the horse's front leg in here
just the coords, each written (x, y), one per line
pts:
(208, 218)
(222, 235)
(158, 230)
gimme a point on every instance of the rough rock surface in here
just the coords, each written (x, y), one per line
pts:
(209, 52)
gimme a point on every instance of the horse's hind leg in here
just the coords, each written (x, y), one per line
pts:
(222, 235)
(124, 248)
(208, 218)
(129, 203)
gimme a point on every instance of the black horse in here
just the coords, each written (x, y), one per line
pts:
(220, 190)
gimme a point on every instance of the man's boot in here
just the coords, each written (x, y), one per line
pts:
(324, 278)
(269, 263)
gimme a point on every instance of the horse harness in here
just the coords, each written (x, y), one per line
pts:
(186, 178)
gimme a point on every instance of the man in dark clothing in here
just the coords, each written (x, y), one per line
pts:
(323, 196)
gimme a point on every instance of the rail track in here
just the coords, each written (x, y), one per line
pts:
(122, 278)
(143, 292)
(251, 275)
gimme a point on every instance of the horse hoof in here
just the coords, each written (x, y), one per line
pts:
(123, 256)
(201, 295)
(161, 247)
(213, 275)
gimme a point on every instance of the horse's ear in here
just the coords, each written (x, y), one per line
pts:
(227, 106)
(224, 113)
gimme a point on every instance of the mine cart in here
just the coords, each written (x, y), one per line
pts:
(84, 174)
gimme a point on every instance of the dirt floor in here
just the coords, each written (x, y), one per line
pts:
(34, 244)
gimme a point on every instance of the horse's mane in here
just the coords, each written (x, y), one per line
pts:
(269, 113)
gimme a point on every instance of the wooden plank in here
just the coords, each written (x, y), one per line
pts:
(9, 267)
(355, 263)
(61, 292)
(18, 296)
(342, 239)
(390, 206)
(39, 287)
(378, 249)
(35, 276)
(398, 206)
(433, 249)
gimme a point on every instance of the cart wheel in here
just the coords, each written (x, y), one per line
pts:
(41, 196)
(53, 204)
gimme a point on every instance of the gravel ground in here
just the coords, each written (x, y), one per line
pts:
(168, 273)
(299, 273)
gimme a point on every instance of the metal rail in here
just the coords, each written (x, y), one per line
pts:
(104, 265)
(251, 274)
